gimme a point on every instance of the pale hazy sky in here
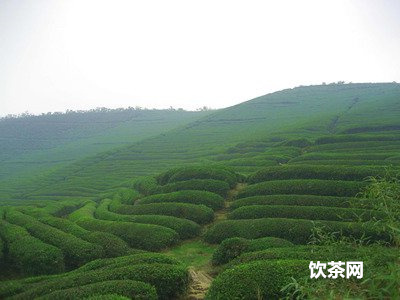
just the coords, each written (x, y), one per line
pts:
(81, 54)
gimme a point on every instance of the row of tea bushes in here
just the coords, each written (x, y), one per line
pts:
(305, 212)
(335, 172)
(315, 156)
(209, 199)
(76, 251)
(199, 172)
(200, 214)
(304, 187)
(257, 280)
(111, 244)
(211, 185)
(374, 255)
(234, 247)
(296, 200)
(131, 289)
(169, 279)
(356, 138)
(185, 228)
(141, 236)
(297, 231)
(27, 254)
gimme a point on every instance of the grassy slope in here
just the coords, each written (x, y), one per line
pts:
(301, 112)
(39, 144)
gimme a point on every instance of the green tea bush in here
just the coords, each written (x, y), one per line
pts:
(185, 228)
(233, 247)
(29, 255)
(305, 212)
(257, 280)
(211, 185)
(374, 255)
(141, 236)
(315, 156)
(145, 185)
(200, 214)
(198, 172)
(300, 143)
(111, 244)
(108, 297)
(169, 280)
(129, 288)
(135, 259)
(295, 200)
(297, 231)
(359, 163)
(85, 212)
(304, 187)
(209, 199)
(355, 138)
(1, 251)
(76, 251)
(314, 172)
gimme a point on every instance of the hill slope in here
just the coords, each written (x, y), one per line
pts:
(308, 112)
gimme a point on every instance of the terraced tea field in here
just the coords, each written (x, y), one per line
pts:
(221, 216)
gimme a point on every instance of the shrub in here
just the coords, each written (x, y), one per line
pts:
(145, 185)
(86, 211)
(76, 251)
(211, 185)
(209, 199)
(30, 255)
(300, 143)
(233, 247)
(135, 259)
(314, 172)
(185, 228)
(169, 280)
(295, 200)
(1, 251)
(373, 255)
(199, 172)
(140, 236)
(111, 244)
(355, 138)
(257, 280)
(129, 288)
(304, 187)
(200, 214)
(305, 212)
(295, 230)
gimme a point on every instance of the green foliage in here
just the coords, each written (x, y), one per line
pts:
(211, 185)
(200, 214)
(256, 280)
(295, 200)
(300, 143)
(141, 236)
(305, 212)
(168, 280)
(314, 172)
(85, 212)
(234, 247)
(145, 185)
(129, 288)
(297, 231)
(185, 228)
(76, 251)
(209, 199)
(29, 255)
(198, 172)
(304, 187)
(111, 244)
(355, 138)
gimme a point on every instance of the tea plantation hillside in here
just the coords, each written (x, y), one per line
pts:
(240, 136)
(232, 206)
(32, 145)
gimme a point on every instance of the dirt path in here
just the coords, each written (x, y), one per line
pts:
(200, 279)
(200, 282)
